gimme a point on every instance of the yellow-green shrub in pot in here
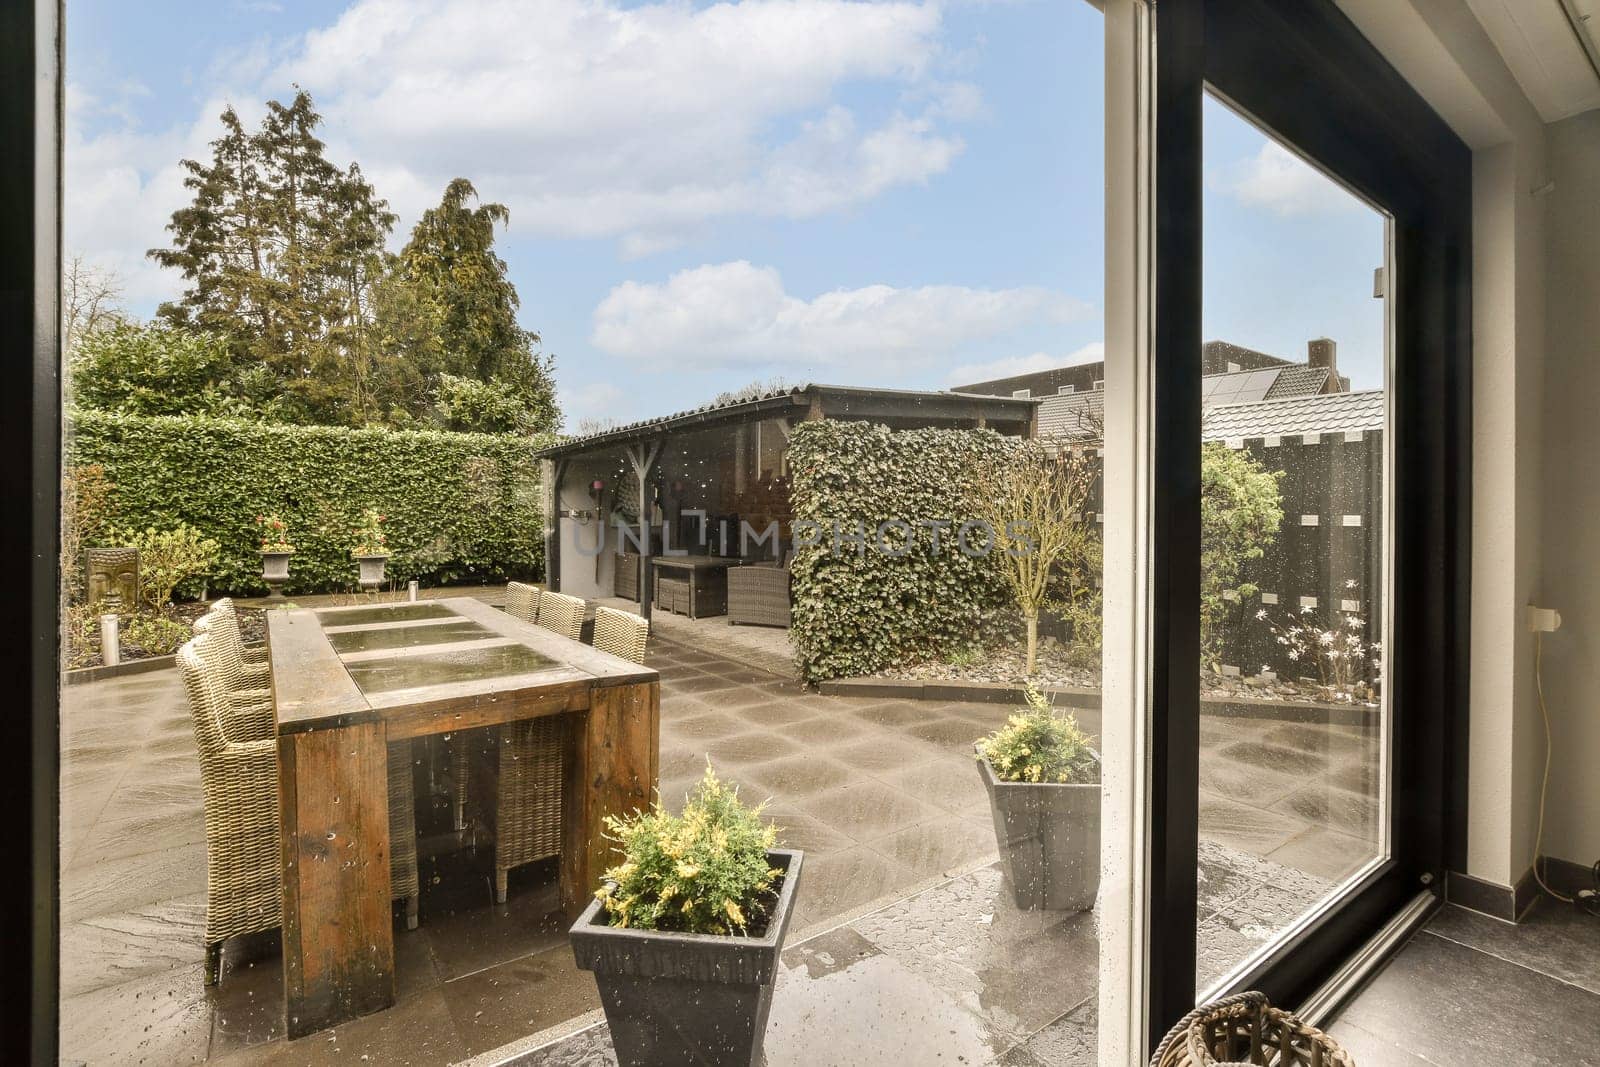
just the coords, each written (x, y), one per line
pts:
(1043, 779)
(684, 935)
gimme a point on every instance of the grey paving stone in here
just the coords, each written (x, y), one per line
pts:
(1247, 828)
(939, 846)
(865, 810)
(798, 776)
(1278, 758)
(1325, 853)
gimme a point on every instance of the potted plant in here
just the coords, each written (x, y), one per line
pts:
(1043, 780)
(275, 552)
(683, 937)
(372, 548)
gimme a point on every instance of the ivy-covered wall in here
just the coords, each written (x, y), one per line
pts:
(458, 506)
(857, 612)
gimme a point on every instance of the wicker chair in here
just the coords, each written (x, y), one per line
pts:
(625, 582)
(523, 791)
(1246, 1029)
(562, 613)
(758, 595)
(246, 714)
(620, 633)
(239, 782)
(522, 601)
(672, 593)
(226, 615)
(247, 667)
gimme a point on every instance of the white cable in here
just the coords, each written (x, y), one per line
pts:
(1538, 839)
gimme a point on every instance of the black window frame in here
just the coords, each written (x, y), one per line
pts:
(1303, 71)
(30, 432)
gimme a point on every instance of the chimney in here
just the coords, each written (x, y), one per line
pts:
(1322, 353)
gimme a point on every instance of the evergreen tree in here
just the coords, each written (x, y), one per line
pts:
(454, 279)
(281, 249)
(283, 252)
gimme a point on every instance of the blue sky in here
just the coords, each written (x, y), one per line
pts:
(898, 194)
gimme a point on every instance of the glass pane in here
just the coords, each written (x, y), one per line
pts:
(773, 332)
(1293, 707)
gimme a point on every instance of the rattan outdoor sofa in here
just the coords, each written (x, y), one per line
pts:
(758, 595)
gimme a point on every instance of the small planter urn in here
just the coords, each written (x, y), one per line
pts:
(372, 570)
(1049, 838)
(678, 1000)
(275, 571)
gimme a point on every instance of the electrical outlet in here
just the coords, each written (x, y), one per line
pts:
(1543, 620)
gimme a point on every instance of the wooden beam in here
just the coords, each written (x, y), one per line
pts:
(338, 940)
(611, 769)
(552, 532)
(643, 458)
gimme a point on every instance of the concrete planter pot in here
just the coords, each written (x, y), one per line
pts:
(275, 571)
(1049, 838)
(372, 570)
(677, 1000)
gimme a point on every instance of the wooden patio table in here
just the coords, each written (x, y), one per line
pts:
(346, 681)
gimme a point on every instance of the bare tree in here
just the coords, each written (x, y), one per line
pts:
(91, 298)
(594, 424)
(1032, 497)
(754, 391)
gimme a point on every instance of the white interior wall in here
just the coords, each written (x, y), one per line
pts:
(1571, 526)
(1440, 47)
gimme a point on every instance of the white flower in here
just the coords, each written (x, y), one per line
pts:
(1294, 653)
(1261, 614)
(1305, 609)
(1349, 583)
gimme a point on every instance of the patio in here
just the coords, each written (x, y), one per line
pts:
(901, 904)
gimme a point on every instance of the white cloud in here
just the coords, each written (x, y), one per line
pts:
(640, 123)
(1287, 185)
(596, 400)
(733, 314)
(593, 119)
(121, 187)
(1011, 366)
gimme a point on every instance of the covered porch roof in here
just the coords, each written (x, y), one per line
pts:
(903, 407)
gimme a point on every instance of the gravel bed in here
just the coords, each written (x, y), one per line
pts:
(1007, 664)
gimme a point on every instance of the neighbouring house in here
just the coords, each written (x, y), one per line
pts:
(1298, 418)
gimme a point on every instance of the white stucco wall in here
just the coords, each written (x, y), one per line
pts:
(579, 576)
(1571, 520)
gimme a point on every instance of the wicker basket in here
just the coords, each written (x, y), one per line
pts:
(1246, 1029)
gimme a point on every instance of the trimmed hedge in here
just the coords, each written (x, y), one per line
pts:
(856, 612)
(458, 506)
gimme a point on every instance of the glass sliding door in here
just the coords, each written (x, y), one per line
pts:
(1293, 567)
(1308, 393)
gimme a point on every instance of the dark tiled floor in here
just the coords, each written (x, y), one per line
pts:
(1472, 990)
(880, 793)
